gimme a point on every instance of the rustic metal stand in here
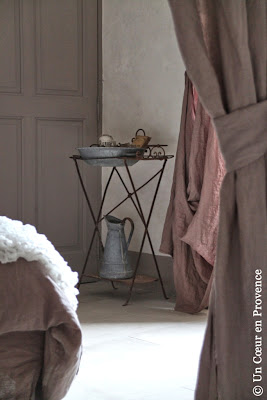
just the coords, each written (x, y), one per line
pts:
(154, 153)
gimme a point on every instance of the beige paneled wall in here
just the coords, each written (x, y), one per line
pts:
(143, 76)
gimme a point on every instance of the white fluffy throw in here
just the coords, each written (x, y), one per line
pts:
(18, 240)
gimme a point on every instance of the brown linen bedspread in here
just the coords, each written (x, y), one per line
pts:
(40, 335)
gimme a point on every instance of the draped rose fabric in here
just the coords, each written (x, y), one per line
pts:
(191, 226)
(224, 45)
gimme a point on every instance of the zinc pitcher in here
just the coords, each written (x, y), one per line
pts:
(115, 263)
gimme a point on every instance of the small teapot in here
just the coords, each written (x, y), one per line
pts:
(106, 141)
(139, 140)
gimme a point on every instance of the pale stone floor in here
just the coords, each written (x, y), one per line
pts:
(145, 351)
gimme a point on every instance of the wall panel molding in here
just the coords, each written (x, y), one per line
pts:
(11, 160)
(10, 46)
(58, 195)
(59, 37)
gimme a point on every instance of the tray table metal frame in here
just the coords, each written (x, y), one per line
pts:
(156, 153)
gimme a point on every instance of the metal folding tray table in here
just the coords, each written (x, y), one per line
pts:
(153, 153)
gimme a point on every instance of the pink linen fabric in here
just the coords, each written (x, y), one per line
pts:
(40, 335)
(191, 226)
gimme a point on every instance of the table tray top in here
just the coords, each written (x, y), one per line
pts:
(153, 153)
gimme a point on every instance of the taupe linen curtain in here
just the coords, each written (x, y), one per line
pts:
(224, 44)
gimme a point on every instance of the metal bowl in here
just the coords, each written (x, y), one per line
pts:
(108, 152)
(110, 162)
(109, 156)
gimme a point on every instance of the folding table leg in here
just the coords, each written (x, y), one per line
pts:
(96, 220)
(148, 235)
(146, 232)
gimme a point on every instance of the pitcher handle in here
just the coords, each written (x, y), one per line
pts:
(132, 230)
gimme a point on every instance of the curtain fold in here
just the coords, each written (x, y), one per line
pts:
(224, 44)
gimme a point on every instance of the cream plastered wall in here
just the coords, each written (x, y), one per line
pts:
(143, 84)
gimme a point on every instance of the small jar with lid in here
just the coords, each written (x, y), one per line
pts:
(106, 141)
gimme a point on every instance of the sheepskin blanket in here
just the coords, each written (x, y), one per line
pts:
(22, 241)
